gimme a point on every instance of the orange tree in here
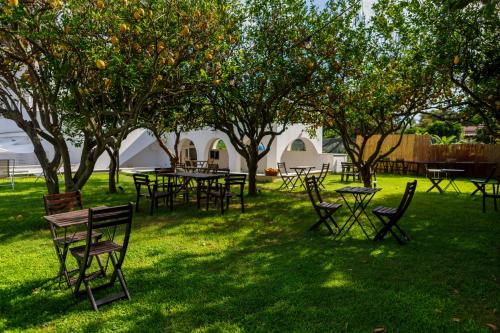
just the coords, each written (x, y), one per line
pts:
(138, 56)
(33, 74)
(84, 70)
(255, 83)
(371, 82)
(462, 44)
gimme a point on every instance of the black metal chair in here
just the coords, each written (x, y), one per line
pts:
(479, 182)
(289, 180)
(147, 188)
(390, 216)
(325, 168)
(325, 210)
(104, 218)
(62, 203)
(225, 191)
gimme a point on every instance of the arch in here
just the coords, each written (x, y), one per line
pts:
(217, 153)
(187, 151)
(301, 151)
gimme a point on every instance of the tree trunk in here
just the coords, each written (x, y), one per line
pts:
(366, 175)
(252, 176)
(112, 171)
(49, 168)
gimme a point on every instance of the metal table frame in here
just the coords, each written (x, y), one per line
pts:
(449, 174)
(302, 172)
(362, 197)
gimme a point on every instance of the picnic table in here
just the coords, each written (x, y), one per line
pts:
(362, 197)
(302, 171)
(436, 176)
(204, 183)
(65, 221)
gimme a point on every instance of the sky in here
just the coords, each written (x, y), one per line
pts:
(366, 5)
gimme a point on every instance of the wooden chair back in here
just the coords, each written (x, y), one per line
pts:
(407, 197)
(142, 180)
(63, 202)
(313, 190)
(324, 172)
(491, 175)
(282, 169)
(235, 180)
(109, 218)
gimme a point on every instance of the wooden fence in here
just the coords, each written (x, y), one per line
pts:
(418, 148)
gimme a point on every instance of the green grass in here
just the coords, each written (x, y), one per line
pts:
(262, 271)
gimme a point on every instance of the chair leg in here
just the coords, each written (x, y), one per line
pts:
(120, 277)
(242, 203)
(137, 204)
(90, 295)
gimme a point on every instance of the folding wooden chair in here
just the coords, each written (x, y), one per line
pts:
(324, 210)
(289, 180)
(478, 183)
(105, 219)
(348, 170)
(225, 191)
(325, 168)
(390, 216)
(151, 191)
(62, 203)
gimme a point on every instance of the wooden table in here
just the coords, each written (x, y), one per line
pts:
(302, 171)
(438, 175)
(362, 197)
(204, 183)
(64, 221)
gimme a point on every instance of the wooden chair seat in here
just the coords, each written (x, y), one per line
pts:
(75, 237)
(96, 249)
(329, 206)
(385, 211)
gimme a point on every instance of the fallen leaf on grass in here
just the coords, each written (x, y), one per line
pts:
(456, 319)
(492, 327)
(379, 330)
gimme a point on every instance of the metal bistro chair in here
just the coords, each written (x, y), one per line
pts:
(325, 210)
(289, 180)
(152, 192)
(62, 203)
(105, 219)
(225, 191)
(325, 168)
(390, 216)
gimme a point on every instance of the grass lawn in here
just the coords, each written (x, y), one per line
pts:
(262, 271)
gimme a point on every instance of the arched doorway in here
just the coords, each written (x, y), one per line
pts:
(218, 153)
(187, 151)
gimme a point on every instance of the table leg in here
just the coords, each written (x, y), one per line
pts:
(435, 183)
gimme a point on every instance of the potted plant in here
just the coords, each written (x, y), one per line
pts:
(271, 172)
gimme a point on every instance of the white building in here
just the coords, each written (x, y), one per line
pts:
(140, 149)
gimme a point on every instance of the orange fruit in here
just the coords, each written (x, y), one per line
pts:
(100, 64)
